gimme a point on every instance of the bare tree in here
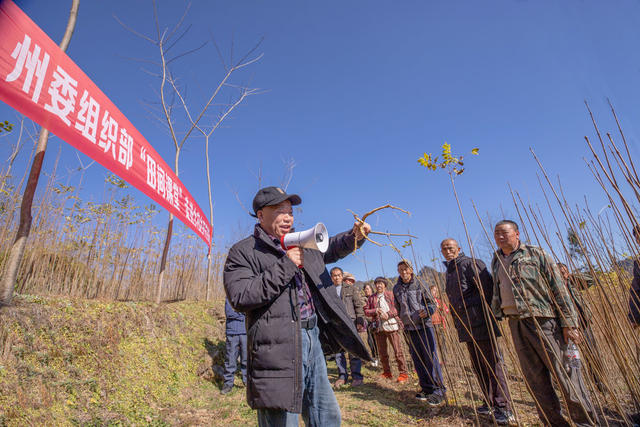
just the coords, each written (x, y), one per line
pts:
(12, 157)
(17, 249)
(165, 40)
(243, 92)
(289, 165)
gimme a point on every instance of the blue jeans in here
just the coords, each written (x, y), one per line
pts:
(236, 344)
(319, 405)
(422, 346)
(355, 364)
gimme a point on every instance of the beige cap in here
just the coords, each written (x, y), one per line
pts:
(348, 276)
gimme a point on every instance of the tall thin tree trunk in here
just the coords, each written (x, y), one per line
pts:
(163, 260)
(167, 243)
(206, 150)
(17, 249)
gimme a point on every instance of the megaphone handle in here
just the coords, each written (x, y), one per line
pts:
(282, 243)
(287, 248)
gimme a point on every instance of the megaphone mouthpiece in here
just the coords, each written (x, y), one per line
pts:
(316, 237)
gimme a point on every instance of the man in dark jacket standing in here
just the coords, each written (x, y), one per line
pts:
(354, 304)
(469, 287)
(292, 312)
(415, 306)
(236, 345)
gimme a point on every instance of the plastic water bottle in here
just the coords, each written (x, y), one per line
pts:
(571, 357)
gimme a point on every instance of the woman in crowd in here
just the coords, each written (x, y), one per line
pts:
(372, 326)
(381, 308)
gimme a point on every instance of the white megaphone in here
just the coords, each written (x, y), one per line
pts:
(316, 237)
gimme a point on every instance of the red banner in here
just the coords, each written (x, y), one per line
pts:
(38, 79)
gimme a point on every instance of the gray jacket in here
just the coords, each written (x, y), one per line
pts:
(259, 281)
(353, 301)
(410, 298)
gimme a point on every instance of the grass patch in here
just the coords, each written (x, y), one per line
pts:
(91, 363)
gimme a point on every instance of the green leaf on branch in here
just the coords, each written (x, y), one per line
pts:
(6, 126)
(450, 162)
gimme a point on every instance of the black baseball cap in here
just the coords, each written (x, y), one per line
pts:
(270, 196)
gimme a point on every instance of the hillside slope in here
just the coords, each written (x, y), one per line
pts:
(86, 362)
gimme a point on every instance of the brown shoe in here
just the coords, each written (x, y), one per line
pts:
(356, 382)
(339, 383)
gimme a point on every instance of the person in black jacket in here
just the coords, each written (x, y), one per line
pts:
(469, 287)
(292, 314)
(353, 304)
(236, 345)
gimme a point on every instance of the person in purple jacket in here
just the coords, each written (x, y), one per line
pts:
(236, 344)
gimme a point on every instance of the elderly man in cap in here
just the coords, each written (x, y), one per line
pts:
(354, 304)
(529, 291)
(292, 313)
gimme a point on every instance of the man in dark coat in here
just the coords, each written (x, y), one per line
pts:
(236, 345)
(469, 287)
(292, 314)
(354, 305)
(415, 305)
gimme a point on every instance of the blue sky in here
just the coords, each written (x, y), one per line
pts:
(356, 91)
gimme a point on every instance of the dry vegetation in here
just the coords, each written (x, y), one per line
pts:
(108, 249)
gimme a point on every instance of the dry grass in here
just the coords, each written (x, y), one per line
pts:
(108, 250)
(86, 362)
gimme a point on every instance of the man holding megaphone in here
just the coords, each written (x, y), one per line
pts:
(278, 278)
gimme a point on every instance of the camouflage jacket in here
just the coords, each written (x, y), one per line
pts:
(538, 288)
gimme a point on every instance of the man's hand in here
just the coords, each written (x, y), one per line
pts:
(359, 228)
(571, 334)
(384, 316)
(296, 255)
(423, 314)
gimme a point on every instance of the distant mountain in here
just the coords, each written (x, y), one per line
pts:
(626, 265)
(432, 276)
(429, 275)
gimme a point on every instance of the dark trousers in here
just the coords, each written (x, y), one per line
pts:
(236, 345)
(355, 364)
(540, 356)
(488, 366)
(440, 340)
(371, 340)
(422, 347)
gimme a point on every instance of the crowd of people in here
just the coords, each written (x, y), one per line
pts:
(297, 313)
